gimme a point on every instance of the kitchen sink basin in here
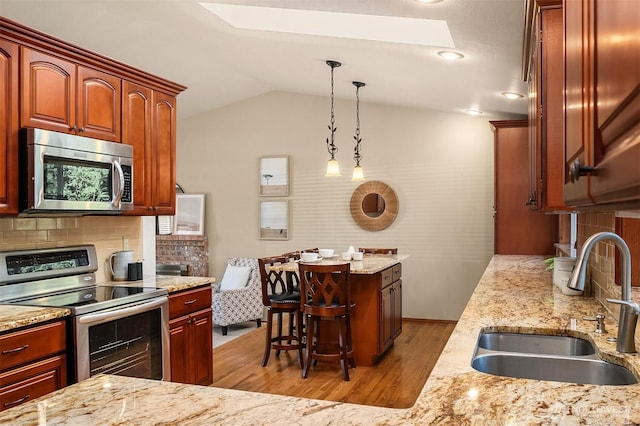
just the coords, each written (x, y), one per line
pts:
(546, 357)
(535, 344)
(554, 368)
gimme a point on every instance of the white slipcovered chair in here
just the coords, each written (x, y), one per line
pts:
(238, 296)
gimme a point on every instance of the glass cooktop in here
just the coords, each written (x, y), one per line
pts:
(94, 298)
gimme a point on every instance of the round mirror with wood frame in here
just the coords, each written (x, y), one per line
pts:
(374, 205)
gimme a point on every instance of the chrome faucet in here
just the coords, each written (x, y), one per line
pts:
(629, 310)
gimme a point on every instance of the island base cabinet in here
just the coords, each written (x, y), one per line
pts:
(191, 337)
(376, 320)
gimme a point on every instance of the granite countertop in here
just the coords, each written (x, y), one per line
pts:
(13, 316)
(514, 294)
(370, 264)
(170, 282)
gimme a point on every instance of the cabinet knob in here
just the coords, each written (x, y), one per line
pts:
(74, 128)
(576, 169)
(82, 129)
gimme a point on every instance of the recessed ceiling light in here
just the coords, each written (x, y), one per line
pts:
(429, 1)
(473, 112)
(393, 29)
(450, 54)
(512, 95)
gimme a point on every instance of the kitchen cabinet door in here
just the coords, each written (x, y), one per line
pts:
(202, 358)
(58, 95)
(9, 66)
(546, 134)
(180, 349)
(98, 105)
(47, 92)
(518, 230)
(386, 315)
(602, 102)
(397, 308)
(136, 131)
(163, 165)
(616, 137)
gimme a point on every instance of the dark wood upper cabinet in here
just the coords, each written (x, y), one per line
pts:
(49, 84)
(9, 66)
(98, 104)
(164, 159)
(602, 103)
(546, 103)
(59, 95)
(136, 131)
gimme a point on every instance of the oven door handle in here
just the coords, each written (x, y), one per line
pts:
(121, 313)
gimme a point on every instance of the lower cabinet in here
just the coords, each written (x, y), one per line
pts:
(33, 363)
(191, 336)
(390, 311)
(377, 317)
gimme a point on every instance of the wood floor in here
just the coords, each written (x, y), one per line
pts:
(395, 382)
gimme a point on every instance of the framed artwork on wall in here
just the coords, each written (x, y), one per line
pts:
(189, 217)
(274, 176)
(274, 220)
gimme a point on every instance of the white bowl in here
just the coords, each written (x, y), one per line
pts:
(326, 252)
(309, 257)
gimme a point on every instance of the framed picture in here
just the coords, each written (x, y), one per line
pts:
(274, 176)
(274, 220)
(189, 218)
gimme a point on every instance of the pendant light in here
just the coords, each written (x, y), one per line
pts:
(358, 173)
(333, 169)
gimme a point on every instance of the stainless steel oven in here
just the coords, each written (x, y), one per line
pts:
(121, 330)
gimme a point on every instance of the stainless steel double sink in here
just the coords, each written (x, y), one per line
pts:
(546, 357)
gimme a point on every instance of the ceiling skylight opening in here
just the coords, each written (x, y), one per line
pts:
(392, 29)
(450, 55)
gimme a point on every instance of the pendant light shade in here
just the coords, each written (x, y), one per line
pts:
(333, 169)
(358, 173)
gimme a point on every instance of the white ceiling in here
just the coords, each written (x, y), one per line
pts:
(179, 40)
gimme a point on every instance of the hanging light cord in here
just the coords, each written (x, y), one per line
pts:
(356, 151)
(331, 147)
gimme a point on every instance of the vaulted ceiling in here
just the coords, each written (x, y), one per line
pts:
(181, 41)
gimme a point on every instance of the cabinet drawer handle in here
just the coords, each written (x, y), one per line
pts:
(10, 351)
(190, 302)
(17, 401)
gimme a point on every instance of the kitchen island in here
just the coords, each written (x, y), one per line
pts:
(514, 294)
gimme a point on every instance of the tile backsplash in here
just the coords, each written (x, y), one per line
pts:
(601, 270)
(107, 233)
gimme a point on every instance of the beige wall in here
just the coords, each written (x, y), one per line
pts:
(106, 233)
(440, 165)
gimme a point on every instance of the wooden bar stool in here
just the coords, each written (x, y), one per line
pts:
(280, 299)
(325, 294)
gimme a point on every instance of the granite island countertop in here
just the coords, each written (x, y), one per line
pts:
(514, 294)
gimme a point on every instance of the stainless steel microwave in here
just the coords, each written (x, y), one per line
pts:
(62, 173)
